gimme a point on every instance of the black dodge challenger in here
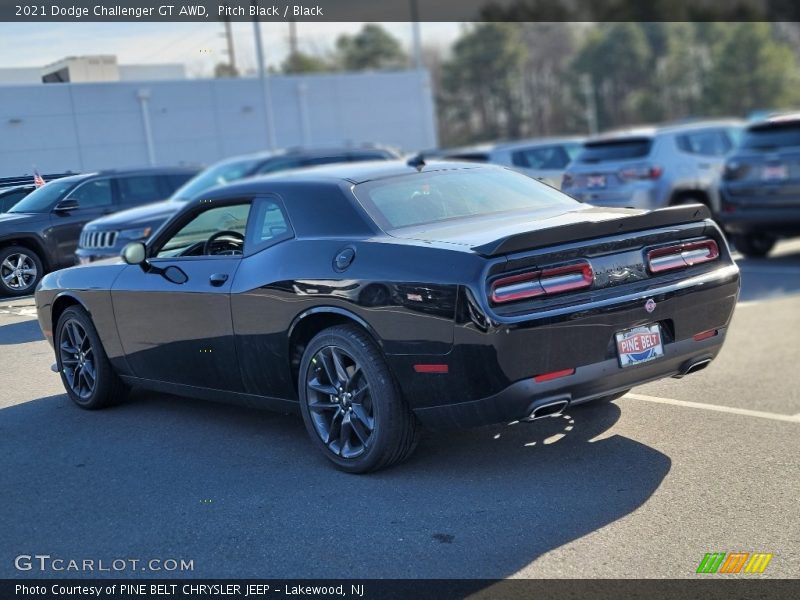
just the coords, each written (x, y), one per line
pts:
(379, 297)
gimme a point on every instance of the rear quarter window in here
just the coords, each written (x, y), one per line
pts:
(139, 189)
(705, 143)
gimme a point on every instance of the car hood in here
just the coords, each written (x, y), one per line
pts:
(484, 230)
(139, 215)
(14, 220)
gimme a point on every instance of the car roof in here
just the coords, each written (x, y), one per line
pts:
(650, 131)
(305, 152)
(775, 119)
(149, 170)
(13, 188)
(511, 145)
(338, 173)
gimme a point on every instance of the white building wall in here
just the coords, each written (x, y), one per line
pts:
(90, 126)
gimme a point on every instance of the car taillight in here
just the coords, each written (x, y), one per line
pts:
(567, 180)
(734, 170)
(642, 172)
(544, 282)
(682, 255)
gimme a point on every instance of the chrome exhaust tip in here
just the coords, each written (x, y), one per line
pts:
(694, 367)
(549, 409)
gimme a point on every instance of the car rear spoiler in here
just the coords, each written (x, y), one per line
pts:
(532, 240)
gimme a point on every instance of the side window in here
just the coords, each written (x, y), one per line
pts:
(711, 142)
(225, 224)
(358, 156)
(93, 194)
(269, 224)
(542, 157)
(324, 160)
(139, 189)
(278, 164)
(170, 183)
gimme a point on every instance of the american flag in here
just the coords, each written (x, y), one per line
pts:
(38, 180)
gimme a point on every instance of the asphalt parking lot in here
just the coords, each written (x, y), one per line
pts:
(643, 487)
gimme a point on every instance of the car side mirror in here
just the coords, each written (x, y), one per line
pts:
(135, 253)
(66, 205)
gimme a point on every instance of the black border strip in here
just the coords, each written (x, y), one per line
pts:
(399, 10)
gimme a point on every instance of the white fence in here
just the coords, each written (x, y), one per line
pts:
(90, 126)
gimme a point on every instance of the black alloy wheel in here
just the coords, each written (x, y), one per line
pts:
(350, 403)
(77, 359)
(87, 374)
(340, 402)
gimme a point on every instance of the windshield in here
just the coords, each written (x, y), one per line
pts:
(622, 149)
(215, 175)
(784, 135)
(425, 198)
(43, 199)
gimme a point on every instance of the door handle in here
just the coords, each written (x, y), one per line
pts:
(217, 279)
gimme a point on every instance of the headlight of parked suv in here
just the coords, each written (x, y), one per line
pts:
(140, 233)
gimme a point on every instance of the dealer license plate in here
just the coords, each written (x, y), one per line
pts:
(639, 345)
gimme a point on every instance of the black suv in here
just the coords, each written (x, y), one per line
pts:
(105, 237)
(40, 232)
(760, 187)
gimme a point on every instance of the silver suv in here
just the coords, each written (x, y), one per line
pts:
(542, 158)
(653, 167)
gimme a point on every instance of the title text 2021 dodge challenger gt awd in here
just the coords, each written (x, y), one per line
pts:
(379, 297)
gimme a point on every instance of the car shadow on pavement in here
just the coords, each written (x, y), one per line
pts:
(22, 332)
(243, 493)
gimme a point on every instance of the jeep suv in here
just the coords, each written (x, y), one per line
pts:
(760, 187)
(541, 158)
(653, 167)
(105, 237)
(40, 232)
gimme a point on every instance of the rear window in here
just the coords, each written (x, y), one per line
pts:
(470, 156)
(545, 157)
(424, 198)
(775, 135)
(621, 149)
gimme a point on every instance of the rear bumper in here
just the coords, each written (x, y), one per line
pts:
(518, 400)
(778, 220)
(491, 368)
(779, 215)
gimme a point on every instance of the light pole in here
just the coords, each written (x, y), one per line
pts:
(266, 95)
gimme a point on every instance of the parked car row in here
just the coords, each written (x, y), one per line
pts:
(82, 218)
(40, 232)
(105, 237)
(747, 174)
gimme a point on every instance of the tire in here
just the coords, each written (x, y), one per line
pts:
(609, 398)
(20, 271)
(79, 353)
(340, 402)
(753, 245)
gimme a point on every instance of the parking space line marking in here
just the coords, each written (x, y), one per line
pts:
(713, 407)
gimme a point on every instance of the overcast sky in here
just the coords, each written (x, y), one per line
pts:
(198, 45)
